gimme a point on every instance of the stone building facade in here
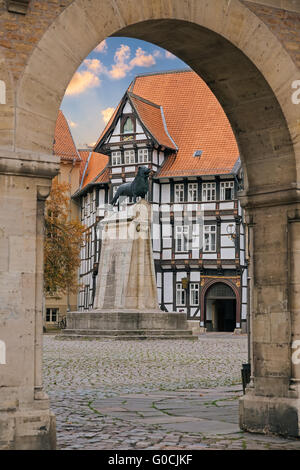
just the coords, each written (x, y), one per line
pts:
(172, 123)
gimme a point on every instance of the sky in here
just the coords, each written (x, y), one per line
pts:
(102, 79)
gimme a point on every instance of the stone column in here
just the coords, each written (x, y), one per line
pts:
(272, 402)
(25, 419)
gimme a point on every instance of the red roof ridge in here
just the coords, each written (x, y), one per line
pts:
(164, 138)
(138, 97)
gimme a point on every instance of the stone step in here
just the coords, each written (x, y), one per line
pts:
(142, 332)
(123, 337)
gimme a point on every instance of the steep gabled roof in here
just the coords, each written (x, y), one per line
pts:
(181, 113)
(95, 163)
(152, 117)
(195, 120)
(93, 172)
(64, 145)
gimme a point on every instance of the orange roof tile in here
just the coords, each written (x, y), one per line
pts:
(151, 116)
(64, 145)
(195, 120)
(96, 164)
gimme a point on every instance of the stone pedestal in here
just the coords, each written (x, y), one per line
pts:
(25, 419)
(126, 304)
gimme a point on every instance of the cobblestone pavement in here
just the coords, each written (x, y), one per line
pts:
(159, 394)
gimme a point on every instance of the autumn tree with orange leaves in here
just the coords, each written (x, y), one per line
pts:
(63, 238)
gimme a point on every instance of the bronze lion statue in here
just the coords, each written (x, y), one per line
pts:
(137, 188)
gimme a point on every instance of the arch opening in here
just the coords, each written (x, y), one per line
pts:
(249, 72)
(220, 308)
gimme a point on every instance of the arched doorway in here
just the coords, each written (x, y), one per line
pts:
(220, 308)
(250, 72)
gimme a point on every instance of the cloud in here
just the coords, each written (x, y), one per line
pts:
(72, 123)
(157, 53)
(123, 64)
(106, 114)
(142, 59)
(169, 55)
(81, 81)
(102, 47)
(121, 67)
(94, 65)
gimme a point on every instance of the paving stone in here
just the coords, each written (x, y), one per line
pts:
(136, 395)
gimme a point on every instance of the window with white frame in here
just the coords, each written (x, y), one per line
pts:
(208, 192)
(129, 157)
(194, 293)
(116, 158)
(179, 193)
(181, 238)
(192, 192)
(196, 236)
(143, 156)
(52, 315)
(210, 232)
(227, 190)
(180, 295)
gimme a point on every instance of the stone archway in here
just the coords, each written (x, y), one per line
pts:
(251, 74)
(235, 291)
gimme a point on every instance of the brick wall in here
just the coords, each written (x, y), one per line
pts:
(284, 24)
(20, 33)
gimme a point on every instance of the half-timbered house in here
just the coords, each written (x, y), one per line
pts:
(172, 123)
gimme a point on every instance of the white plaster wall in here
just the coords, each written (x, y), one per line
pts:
(161, 158)
(195, 276)
(165, 193)
(226, 205)
(155, 192)
(127, 108)
(227, 241)
(168, 287)
(209, 255)
(244, 312)
(180, 276)
(224, 227)
(167, 242)
(244, 294)
(167, 254)
(228, 253)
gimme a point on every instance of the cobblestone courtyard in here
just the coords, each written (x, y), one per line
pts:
(150, 394)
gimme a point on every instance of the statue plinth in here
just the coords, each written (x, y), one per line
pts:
(126, 303)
